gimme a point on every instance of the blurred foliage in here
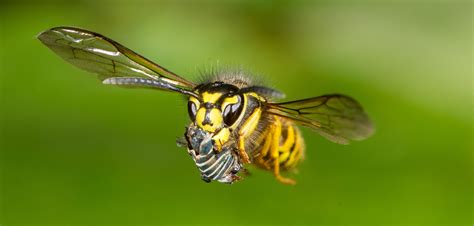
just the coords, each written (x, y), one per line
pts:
(76, 152)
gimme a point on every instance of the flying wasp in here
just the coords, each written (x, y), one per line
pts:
(235, 121)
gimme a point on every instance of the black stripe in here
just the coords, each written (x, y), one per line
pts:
(207, 117)
(284, 134)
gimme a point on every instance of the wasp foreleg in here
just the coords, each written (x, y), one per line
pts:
(242, 153)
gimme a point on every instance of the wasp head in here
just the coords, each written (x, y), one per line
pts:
(217, 111)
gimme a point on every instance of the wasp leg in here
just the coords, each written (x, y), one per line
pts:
(265, 149)
(242, 153)
(275, 154)
(246, 172)
(248, 128)
(280, 178)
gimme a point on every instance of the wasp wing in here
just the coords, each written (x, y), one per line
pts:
(337, 117)
(98, 54)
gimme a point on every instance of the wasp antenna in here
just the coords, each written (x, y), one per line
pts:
(138, 82)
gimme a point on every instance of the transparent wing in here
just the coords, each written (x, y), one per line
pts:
(337, 117)
(98, 54)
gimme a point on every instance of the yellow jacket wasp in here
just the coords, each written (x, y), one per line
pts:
(234, 121)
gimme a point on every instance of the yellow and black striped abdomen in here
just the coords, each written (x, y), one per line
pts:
(281, 142)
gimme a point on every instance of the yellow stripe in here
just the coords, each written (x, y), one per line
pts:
(210, 97)
(194, 100)
(276, 139)
(221, 138)
(241, 116)
(285, 149)
(284, 155)
(251, 123)
(294, 156)
(229, 100)
(290, 138)
(200, 116)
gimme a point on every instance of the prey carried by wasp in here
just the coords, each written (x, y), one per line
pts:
(234, 122)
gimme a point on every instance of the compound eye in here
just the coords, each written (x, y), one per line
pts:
(232, 112)
(192, 110)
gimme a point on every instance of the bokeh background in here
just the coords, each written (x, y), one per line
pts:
(76, 152)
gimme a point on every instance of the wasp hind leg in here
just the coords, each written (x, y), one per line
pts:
(280, 178)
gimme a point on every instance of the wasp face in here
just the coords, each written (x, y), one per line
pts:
(218, 111)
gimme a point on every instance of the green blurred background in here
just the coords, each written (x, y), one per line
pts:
(76, 152)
